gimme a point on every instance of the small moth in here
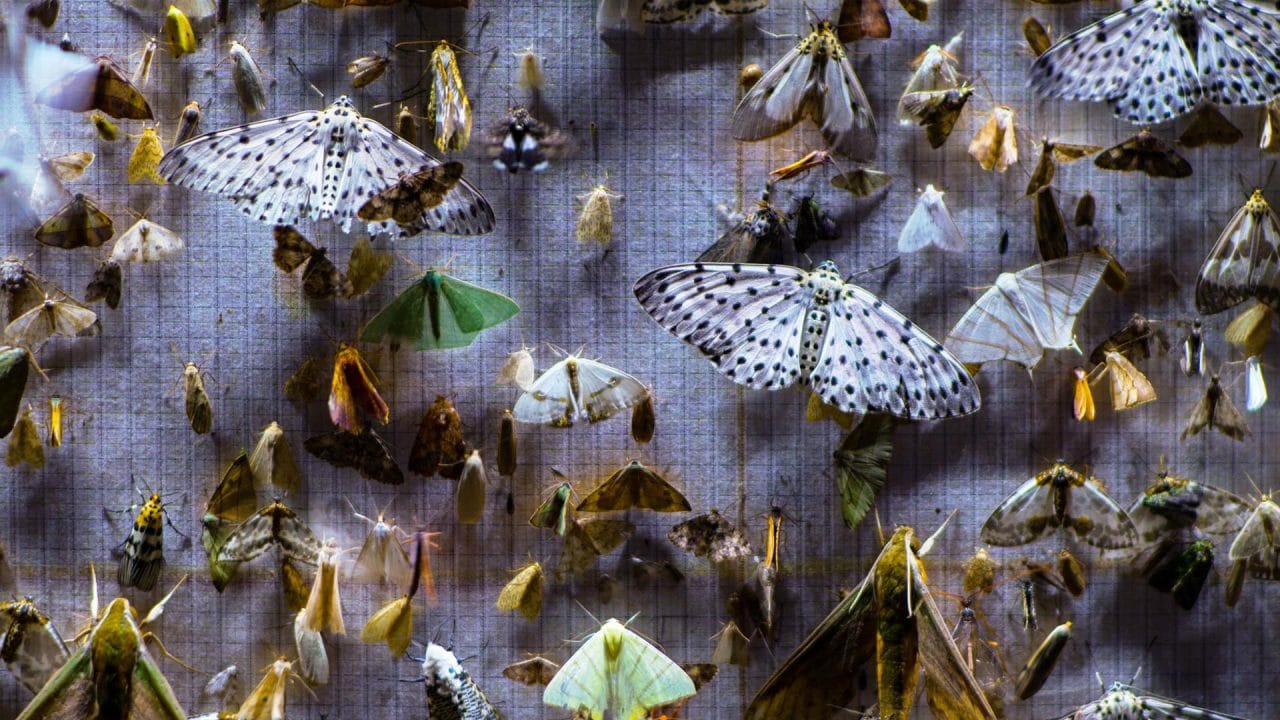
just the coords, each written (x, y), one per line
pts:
(1139, 339)
(769, 573)
(188, 123)
(1052, 153)
(1147, 153)
(25, 445)
(77, 224)
(30, 644)
(1082, 407)
(439, 440)
(595, 224)
(578, 388)
(199, 409)
(554, 512)
(178, 35)
(1192, 360)
(661, 12)
(1060, 498)
(470, 500)
(516, 370)
(267, 701)
(1086, 211)
(272, 461)
(145, 242)
(367, 453)
(391, 624)
(732, 646)
(1037, 37)
(1129, 387)
(507, 444)
(323, 612)
(412, 195)
(15, 363)
(1269, 138)
(712, 536)
(407, 125)
(142, 73)
(535, 670)
(232, 502)
(979, 573)
(1250, 330)
(811, 223)
(224, 687)
(274, 524)
(1072, 573)
(451, 693)
(1209, 127)
(313, 658)
(305, 382)
(321, 279)
(438, 311)
(585, 541)
(935, 94)
(1255, 389)
(142, 556)
(931, 225)
(522, 142)
(364, 70)
(861, 465)
(634, 486)
(1216, 410)
(248, 81)
(531, 76)
(55, 421)
(1042, 661)
(1182, 574)
(1258, 544)
(146, 158)
(862, 182)
(523, 592)
(448, 102)
(365, 267)
(1240, 265)
(382, 558)
(63, 316)
(761, 236)
(293, 585)
(98, 85)
(353, 392)
(643, 420)
(995, 146)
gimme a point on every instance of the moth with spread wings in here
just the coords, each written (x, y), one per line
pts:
(523, 142)
(1125, 702)
(319, 164)
(1244, 262)
(768, 326)
(1060, 498)
(1158, 59)
(814, 80)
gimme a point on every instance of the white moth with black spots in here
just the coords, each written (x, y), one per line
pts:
(318, 164)
(769, 326)
(1123, 702)
(451, 693)
(1160, 58)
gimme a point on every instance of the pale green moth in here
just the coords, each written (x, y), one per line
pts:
(438, 311)
(617, 671)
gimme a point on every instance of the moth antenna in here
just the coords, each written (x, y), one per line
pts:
(879, 527)
(907, 558)
(294, 67)
(928, 544)
(93, 592)
(158, 609)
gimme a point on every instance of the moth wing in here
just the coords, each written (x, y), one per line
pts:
(655, 493)
(1200, 417)
(1129, 387)
(875, 359)
(661, 681)
(69, 694)
(815, 679)
(1255, 537)
(847, 123)
(144, 242)
(1226, 417)
(549, 399)
(1109, 526)
(861, 465)
(393, 624)
(234, 498)
(950, 688)
(993, 328)
(777, 100)
(152, 696)
(1021, 517)
(70, 318)
(606, 390)
(1167, 84)
(1165, 709)
(297, 541)
(30, 328)
(247, 541)
(365, 267)
(1244, 37)
(403, 317)
(1054, 292)
(1220, 511)
(476, 308)
(582, 682)
(292, 249)
(14, 367)
(921, 229)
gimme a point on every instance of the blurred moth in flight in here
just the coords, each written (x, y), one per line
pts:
(366, 452)
(365, 267)
(145, 242)
(1060, 498)
(732, 646)
(196, 399)
(97, 85)
(77, 224)
(931, 225)
(861, 465)
(1146, 152)
(769, 326)
(353, 392)
(891, 617)
(616, 671)
(710, 535)
(661, 12)
(634, 486)
(1216, 410)
(1124, 702)
(523, 592)
(30, 645)
(439, 311)
(1027, 312)
(306, 382)
(1209, 127)
(995, 146)
(936, 93)
(274, 524)
(272, 461)
(575, 389)
(814, 80)
(451, 692)
(321, 280)
(142, 556)
(1243, 262)
(107, 130)
(595, 223)
(522, 142)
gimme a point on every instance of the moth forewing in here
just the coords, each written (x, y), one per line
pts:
(313, 658)
(142, 556)
(507, 444)
(1042, 661)
(366, 69)
(1251, 329)
(634, 485)
(1050, 226)
(1037, 37)
(439, 440)
(391, 624)
(367, 453)
(554, 512)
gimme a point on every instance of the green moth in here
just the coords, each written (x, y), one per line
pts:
(13, 383)
(438, 311)
(111, 677)
(553, 513)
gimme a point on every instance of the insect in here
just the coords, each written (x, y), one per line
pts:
(267, 701)
(578, 388)
(769, 573)
(313, 658)
(587, 540)
(862, 182)
(1027, 312)
(62, 316)
(861, 465)
(55, 421)
(272, 461)
(30, 645)
(554, 512)
(107, 130)
(1042, 661)
(439, 440)
(412, 198)
(188, 123)
(769, 326)
(762, 235)
(523, 592)
(24, 443)
(98, 85)
(1158, 59)
(535, 670)
(1082, 406)
(517, 369)
(531, 75)
(250, 87)
(145, 242)
(710, 535)
(178, 34)
(1146, 152)
(382, 558)
(931, 225)
(196, 401)
(323, 612)
(1192, 360)
(1124, 702)
(1051, 228)
(448, 102)
(525, 143)
(366, 452)
(451, 692)
(814, 80)
(995, 145)
(1216, 410)
(1255, 389)
(44, 11)
(1139, 339)
(634, 486)
(1257, 545)
(862, 19)
(305, 382)
(891, 617)
(288, 154)
(1038, 38)
(618, 672)
(274, 524)
(1053, 152)
(393, 622)
(1242, 263)
(439, 311)
(142, 558)
(321, 279)
(233, 501)
(223, 687)
(1059, 497)
(732, 646)
(661, 12)
(77, 224)
(1209, 127)
(595, 223)
(353, 393)
(1129, 387)
(1251, 329)
(366, 69)
(470, 500)
(112, 672)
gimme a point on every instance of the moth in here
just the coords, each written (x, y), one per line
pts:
(224, 687)
(44, 11)
(523, 592)
(1086, 211)
(20, 289)
(522, 142)
(274, 524)
(1082, 405)
(24, 443)
(813, 80)
(15, 363)
(862, 19)
(769, 326)
(1209, 127)
(188, 123)
(861, 465)
(451, 692)
(267, 701)
(233, 501)
(931, 225)
(413, 196)
(382, 558)
(554, 512)
(516, 370)
(345, 157)
(618, 672)
(936, 111)
(732, 646)
(934, 71)
(353, 392)
(1050, 226)
(587, 540)
(439, 311)
(294, 587)
(272, 461)
(470, 500)
(1071, 571)
(142, 556)
(710, 535)
(813, 159)
(112, 674)
(1146, 152)
(1255, 392)
(439, 440)
(1042, 661)
(407, 125)
(1269, 137)
(995, 145)
(535, 670)
(862, 182)
(250, 87)
(55, 421)
(634, 486)
(448, 102)
(1182, 572)
(313, 658)
(365, 267)
(366, 69)
(30, 644)
(578, 388)
(891, 617)
(366, 452)
(1190, 51)
(1027, 312)
(1192, 360)
(811, 223)
(178, 33)
(196, 400)
(97, 85)
(1139, 339)
(979, 573)
(768, 574)
(62, 316)
(661, 12)
(305, 382)
(145, 242)
(1216, 410)
(1129, 387)
(323, 612)
(1036, 35)
(393, 622)
(1250, 330)
(321, 279)
(1241, 263)
(77, 224)
(1124, 702)
(507, 444)
(1060, 498)
(595, 223)
(762, 235)
(106, 129)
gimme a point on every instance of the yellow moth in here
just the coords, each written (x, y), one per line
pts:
(145, 160)
(266, 702)
(323, 612)
(524, 592)
(595, 224)
(995, 146)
